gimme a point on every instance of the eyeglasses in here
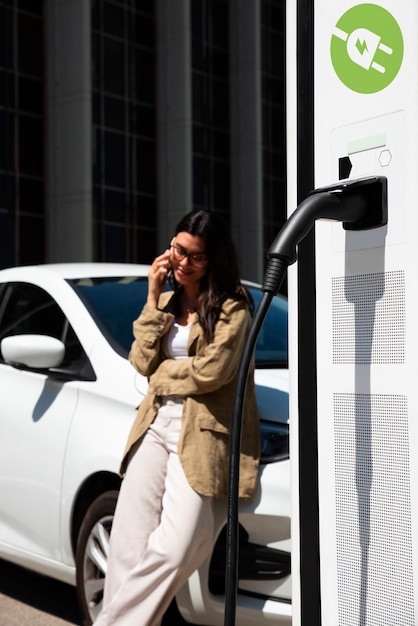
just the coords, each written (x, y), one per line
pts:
(198, 259)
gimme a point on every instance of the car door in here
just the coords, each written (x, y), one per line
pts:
(36, 410)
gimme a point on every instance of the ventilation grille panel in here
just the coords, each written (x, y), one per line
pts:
(368, 318)
(373, 523)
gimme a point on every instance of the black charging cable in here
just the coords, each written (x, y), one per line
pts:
(360, 205)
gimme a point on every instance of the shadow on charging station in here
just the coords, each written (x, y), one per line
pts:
(364, 298)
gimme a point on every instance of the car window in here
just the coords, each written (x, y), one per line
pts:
(271, 346)
(115, 303)
(28, 309)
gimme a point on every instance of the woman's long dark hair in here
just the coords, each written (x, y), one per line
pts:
(222, 279)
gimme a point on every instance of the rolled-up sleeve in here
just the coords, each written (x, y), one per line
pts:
(148, 329)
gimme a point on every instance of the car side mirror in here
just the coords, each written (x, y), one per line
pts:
(34, 351)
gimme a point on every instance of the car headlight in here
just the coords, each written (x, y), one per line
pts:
(274, 441)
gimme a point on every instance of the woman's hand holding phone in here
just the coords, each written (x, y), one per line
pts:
(157, 277)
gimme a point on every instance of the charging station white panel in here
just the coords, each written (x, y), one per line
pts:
(372, 147)
(366, 123)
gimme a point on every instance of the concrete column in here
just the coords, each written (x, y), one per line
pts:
(69, 130)
(174, 108)
(246, 136)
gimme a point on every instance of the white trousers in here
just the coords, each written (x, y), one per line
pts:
(162, 529)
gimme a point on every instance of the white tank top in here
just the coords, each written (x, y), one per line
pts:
(178, 339)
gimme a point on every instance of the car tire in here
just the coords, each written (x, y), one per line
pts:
(91, 555)
(91, 561)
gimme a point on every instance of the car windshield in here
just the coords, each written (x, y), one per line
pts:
(271, 346)
(115, 302)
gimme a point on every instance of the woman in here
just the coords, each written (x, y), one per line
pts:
(188, 342)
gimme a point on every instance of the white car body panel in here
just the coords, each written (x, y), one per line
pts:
(272, 390)
(32, 453)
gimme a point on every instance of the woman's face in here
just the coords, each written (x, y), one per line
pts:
(188, 258)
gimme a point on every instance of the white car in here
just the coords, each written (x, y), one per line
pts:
(68, 399)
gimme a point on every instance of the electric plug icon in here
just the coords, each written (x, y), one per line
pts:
(362, 45)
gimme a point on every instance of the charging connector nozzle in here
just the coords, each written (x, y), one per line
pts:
(358, 204)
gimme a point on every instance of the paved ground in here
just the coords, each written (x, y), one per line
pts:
(27, 599)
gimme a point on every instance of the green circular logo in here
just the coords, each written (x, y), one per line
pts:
(366, 48)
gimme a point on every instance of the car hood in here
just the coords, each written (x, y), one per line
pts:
(272, 388)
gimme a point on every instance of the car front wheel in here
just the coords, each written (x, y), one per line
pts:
(92, 553)
(91, 561)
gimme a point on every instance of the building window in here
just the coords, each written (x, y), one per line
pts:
(22, 180)
(124, 130)
(210, 85)
(274, 116)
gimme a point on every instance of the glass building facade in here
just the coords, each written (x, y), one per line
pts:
(167, 128)
(124, 130)
(210, 89)
(273, 66)
(22, 128)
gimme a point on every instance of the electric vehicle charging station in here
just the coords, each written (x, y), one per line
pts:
(354, 554)
(353, 342)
